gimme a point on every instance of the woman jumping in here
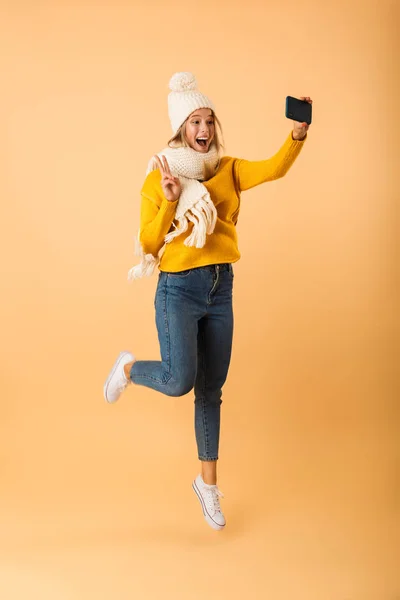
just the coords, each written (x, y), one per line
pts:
(190, 203)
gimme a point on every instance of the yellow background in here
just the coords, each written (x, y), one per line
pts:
(96, 500)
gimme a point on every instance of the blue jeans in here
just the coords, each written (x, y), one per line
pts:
(194, 319)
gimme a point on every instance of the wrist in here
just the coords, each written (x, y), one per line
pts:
(297, 137)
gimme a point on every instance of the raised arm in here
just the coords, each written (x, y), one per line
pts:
(248, 174)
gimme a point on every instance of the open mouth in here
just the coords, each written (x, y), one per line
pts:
(202, 142)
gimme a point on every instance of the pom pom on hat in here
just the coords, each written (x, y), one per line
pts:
(184, 98)
(182, 82)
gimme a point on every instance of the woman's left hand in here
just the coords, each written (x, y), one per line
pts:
(300, 129)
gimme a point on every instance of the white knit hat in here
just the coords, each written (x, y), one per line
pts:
(184, 99)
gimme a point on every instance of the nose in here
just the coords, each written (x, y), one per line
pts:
(204, 131)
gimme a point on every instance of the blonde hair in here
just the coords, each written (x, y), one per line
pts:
(179, 140)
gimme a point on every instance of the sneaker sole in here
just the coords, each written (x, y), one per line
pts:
(107, 383)
(207, 517)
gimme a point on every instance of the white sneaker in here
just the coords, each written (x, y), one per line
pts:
(117, 381)
(209, 496)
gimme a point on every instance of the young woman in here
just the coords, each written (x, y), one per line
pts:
(190, 207)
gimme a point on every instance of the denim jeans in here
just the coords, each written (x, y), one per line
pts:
(194, 319)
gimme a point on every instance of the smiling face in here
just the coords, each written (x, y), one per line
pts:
(200, 130)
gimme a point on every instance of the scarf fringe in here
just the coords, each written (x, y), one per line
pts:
(144, 269)
(181, 228)
(204, 217)
(147, 265)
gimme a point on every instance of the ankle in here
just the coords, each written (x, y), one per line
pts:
(127, 370)
(209, 480)
(209, 472)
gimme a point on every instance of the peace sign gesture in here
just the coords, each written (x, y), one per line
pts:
(171, 185)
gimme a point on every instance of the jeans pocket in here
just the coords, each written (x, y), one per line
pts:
(180, 274)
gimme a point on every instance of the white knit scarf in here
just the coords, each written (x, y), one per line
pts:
(194, 203)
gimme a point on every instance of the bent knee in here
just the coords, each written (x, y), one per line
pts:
(178, 387)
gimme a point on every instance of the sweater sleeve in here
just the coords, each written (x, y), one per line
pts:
(156, 215)
(248, 174)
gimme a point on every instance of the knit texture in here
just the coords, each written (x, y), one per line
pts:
(185, 98)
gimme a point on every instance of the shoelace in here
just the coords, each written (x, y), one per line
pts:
(122, 385)
(212, 498)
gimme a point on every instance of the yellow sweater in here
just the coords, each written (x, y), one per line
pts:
(233, 177)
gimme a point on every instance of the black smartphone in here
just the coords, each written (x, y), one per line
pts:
(298, 110)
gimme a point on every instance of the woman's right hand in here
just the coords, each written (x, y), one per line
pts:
(171, 185)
